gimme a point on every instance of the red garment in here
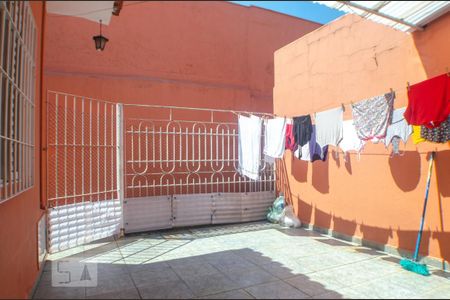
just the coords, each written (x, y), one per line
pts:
(290, 140)
(429, 102)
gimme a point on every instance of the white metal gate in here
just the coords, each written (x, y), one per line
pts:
(177, 167)
(83, 186)
(181, 170)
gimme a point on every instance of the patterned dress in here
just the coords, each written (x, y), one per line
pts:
(440, 134)
(371, 117)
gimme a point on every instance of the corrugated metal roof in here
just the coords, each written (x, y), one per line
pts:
(91, 10)
(402, 15)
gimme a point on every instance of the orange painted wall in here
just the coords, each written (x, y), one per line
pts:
(197, 54)
(19, 216)
(378, 197)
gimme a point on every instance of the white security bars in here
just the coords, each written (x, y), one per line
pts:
(144, 167)
(179, 150)
(17, 88)
(82, 188)
(181, 170)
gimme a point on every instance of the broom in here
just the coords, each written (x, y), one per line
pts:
(413, 265)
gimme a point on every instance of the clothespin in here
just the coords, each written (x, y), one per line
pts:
(343, 106)
(448, 73)
(392, 92)
(408, 86)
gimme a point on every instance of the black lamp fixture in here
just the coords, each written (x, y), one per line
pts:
(100, 40)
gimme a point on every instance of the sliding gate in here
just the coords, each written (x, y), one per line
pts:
(144, 167)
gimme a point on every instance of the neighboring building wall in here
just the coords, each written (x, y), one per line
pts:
(378, 198)
(19, 216)
(195, 54)
(191, 54)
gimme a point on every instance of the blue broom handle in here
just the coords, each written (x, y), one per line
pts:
(419, 236)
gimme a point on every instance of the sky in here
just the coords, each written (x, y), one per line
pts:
(302, 9)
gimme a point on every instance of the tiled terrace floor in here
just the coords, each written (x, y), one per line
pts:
(255, 260)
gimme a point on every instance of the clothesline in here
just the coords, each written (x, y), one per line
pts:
(374, 120)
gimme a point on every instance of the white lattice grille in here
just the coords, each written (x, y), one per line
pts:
(171, 150)
(17, 89)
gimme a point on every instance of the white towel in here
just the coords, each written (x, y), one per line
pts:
(249, 143)
(274, 137)
(329, 127)
(350, 140)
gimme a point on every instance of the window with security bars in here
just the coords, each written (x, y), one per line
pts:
(17, 88)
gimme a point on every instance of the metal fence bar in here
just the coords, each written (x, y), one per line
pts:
(204, 161)
(82, 136)
(120, 159)
(149, 156)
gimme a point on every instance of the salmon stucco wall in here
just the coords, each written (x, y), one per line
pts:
(182, 53)
(20, 215)
(377, 197)
(185, 53)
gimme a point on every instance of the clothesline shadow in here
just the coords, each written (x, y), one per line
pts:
(405, 169)
(346, 158)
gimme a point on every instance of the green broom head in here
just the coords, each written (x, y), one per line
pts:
(415, 267)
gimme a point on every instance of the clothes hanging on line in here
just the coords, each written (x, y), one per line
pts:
(269, 159)
(249, 145)
(440, 134)
(312, 151)
(429, 102)
(350, 140)
(397, 130)
(290, 140)
(274, 137)
(371, 117)
(302, 130)
(329, 126)
(416, 135)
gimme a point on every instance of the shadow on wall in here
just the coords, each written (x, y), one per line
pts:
(407, 240)
(376, 237)
(405, 170)
(322, 218)
(344, 226)
(299, 169)
(320, 176)
(371, 233)
(433, 47)
(442, 172)
(336, 157)
(348, 162)
(304, 210)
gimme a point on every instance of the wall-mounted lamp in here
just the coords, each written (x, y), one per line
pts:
(100, 40)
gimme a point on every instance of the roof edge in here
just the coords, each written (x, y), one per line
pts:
(274, 12)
